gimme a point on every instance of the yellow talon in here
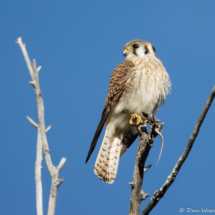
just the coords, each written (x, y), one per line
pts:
(157, 121)
(136, 120)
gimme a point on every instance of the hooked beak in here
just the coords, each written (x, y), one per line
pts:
(125, 52)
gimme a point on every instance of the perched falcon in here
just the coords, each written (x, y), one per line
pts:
(139, 84)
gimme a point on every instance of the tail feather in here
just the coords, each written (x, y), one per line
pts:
(114, 160)
(108, 170)
(99, 167)
(105, 178)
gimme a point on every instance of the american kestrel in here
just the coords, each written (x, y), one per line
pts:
(139, 84)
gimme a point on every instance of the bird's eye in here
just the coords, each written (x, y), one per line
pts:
(135, 46)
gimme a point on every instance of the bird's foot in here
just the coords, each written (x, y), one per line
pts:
(136, 120)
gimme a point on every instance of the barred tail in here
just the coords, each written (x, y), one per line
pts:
(108, 159)
(102, 158)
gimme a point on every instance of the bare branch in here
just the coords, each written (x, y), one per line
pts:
(144, 195)
(48, 128)
(170, 179)
(144, 146)
(38, 167)
(25, 54)
(147, 168)
(54, 171)
(32, 121)
(39, 68)
(61, 164)
(40, 108)
(131, 183)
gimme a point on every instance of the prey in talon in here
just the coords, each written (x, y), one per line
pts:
(139, 84)
(154, 122)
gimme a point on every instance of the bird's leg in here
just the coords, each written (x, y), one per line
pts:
(135, 118)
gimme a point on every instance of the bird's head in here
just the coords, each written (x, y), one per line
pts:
(138, 48)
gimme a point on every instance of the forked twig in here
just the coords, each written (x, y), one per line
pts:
(54, 171)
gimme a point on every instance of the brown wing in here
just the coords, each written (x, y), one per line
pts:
(118, 80)
(127, 140)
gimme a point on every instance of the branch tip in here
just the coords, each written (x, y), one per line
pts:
(32, 122)
(48, 128)
(160, 126)
(60, 181)
(39, 68)
(32, 83)
(132, 184)
(61, 164)
(147, 168)
(19, 40)
(144, 195)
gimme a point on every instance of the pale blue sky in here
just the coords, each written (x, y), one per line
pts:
(78, 44)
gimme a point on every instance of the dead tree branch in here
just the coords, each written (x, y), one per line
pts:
(54, 171)
(144, 146)
(38, 181)
(170, 179)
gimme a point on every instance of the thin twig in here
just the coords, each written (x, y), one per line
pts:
(170, 179)
(32, 121)
(54, 171)
(25, 54)
(47, 129)
(147, 168)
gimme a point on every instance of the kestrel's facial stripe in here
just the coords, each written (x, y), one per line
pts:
(149, 48)
(146, 49)
(134, 48)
